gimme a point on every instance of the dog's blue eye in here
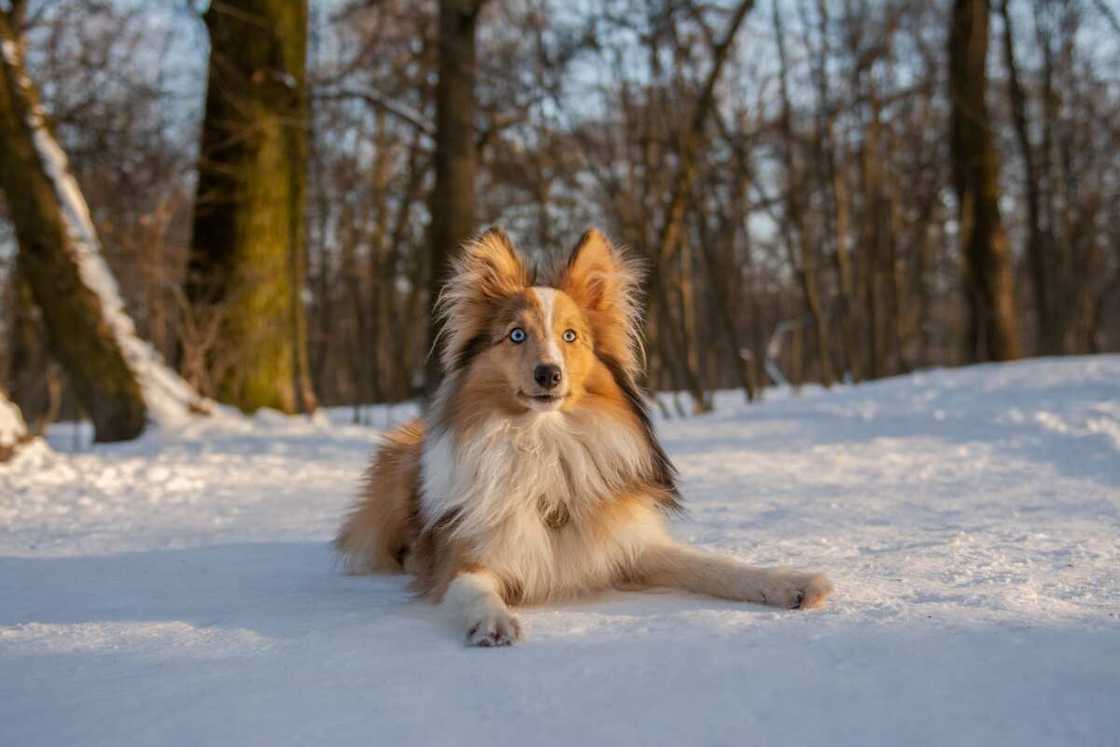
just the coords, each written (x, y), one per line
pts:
(569, 335)
(517, 335)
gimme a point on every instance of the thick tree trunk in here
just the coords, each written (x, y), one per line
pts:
(119, 379)
(248, 244)
(993, 330)
(453, 196)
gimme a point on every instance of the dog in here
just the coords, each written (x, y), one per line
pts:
(536, 473)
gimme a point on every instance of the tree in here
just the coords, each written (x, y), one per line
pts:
(670, 237)
(119, 379)
(1038, 243)
(452, 202)
(993, 330)
(248, 243)
(802, 253)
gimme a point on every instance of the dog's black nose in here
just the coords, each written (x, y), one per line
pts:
(547, 375)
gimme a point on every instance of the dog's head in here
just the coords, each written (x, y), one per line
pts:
(526, 347)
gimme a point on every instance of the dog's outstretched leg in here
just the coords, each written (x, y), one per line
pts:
(473, 599)
(706, 573)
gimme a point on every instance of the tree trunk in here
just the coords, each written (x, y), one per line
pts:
(874, 232)
(38, 396)
(720, 276)
(248, 244)
(831, 167)
(723, 277)
(395, 304)
(1049, 333)
(119, 379)
(993, 330)
(452, 200)
(378, 283)
(844, 270)
(900, 292)
(802, 252)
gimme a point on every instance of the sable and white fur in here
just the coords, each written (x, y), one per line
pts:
(536, 474)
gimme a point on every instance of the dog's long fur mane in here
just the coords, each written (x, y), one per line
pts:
(487, 481)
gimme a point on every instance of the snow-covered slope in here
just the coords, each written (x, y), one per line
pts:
(178, 590)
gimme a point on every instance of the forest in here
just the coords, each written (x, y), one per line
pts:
(253, 202)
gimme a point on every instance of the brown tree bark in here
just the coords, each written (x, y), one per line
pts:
(38, 396)
(721, 272)
(453, 195)
(875, 235)
(993, 330)
(1049, 332)
(401, 306)
(248, 248)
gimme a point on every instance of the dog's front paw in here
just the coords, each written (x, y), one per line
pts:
(810, 591)
(797, 591)
(498, 628)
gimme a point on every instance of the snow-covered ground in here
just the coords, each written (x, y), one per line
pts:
(179, 589)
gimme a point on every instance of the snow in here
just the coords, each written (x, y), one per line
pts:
(179, 589)
(12, 427)
(169, 398)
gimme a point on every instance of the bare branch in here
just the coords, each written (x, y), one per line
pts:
(408, 116)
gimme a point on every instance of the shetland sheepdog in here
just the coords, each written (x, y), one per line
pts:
(536, 473)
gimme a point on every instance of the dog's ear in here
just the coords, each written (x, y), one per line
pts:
(488, 268)
(486, 271)
(607, 285)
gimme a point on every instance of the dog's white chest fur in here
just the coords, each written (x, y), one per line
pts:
(504, 481)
